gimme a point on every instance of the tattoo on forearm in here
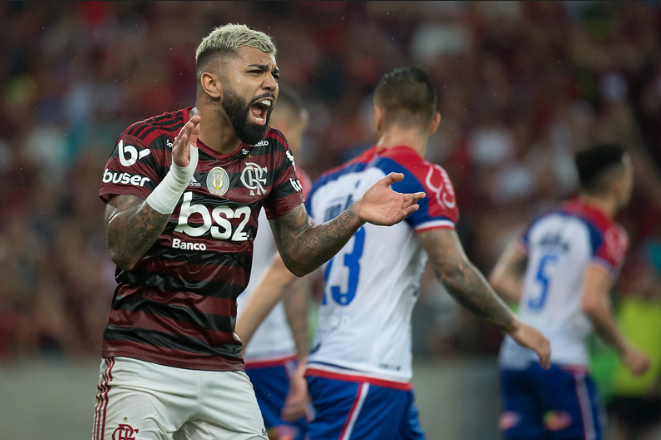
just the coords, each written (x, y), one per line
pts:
(462, 279)
(132, 227)
(472, 291)
(309, 247)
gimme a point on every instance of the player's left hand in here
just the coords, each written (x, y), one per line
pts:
(298, 399)
(531, 338)
(380, 205)
(636, 361)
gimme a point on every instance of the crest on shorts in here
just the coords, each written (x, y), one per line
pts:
(218, 181)
(124, 432)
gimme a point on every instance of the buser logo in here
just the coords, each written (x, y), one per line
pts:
(125, 178)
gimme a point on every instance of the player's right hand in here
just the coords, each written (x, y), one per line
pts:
(298, 399)
(380, 205)
(531, 338)
(636, 361)
(187, 137)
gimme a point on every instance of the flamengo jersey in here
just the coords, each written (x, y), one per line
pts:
(273, 339)
(560, 246)
(371, 285)
(177, 306)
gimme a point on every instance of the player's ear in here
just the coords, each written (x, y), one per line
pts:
(435, 122)
(617, 187)
(211, 85)
(377, 119)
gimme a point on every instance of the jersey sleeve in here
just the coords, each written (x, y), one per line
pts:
(438, 210)
(287, 192)
(304, 180)
(132, 169)
(611, 252)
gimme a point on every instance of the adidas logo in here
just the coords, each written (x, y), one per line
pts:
(194, 182)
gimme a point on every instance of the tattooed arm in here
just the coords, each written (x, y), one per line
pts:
(469, 287)
(132, 224)
(304, 247)
(132, 227)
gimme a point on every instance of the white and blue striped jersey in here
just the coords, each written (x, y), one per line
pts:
(560, 246)
(371, 285)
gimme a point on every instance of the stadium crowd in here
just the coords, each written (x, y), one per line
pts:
(524, 85)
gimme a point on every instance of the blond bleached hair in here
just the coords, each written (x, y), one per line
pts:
(227, 40)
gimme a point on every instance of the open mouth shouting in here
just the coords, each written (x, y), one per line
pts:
(260, 109)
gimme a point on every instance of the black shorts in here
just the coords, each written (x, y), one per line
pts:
(635, 410)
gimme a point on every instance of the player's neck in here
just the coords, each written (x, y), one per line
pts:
(216, 131)
(396, 137)
(604, 204)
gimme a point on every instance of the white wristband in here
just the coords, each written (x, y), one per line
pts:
(166, 195)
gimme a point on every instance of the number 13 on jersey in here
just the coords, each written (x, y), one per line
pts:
(347, 275)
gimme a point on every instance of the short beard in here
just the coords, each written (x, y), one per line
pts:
(237, 110)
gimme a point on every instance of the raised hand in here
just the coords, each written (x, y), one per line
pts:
(380, 205)
(187, 137)
(529, 337)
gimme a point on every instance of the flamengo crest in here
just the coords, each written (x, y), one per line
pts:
(124, 432)
(254, 178)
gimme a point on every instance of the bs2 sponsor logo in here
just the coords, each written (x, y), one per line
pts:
(214, 221)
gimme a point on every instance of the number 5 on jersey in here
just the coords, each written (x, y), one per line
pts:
(542, 279)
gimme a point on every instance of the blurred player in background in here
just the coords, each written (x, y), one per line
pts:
(183, 191)
(359, 369)
(282, 340)
(560, 272)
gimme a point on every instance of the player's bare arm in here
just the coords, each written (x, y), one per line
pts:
(506, 278)
(132, 227)
(132, 224)
(304, 247)
(296, 309)
(468, 286)
(597, 306)
(271, 289)
(462, 279)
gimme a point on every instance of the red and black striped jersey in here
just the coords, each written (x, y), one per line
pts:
(177, 305)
